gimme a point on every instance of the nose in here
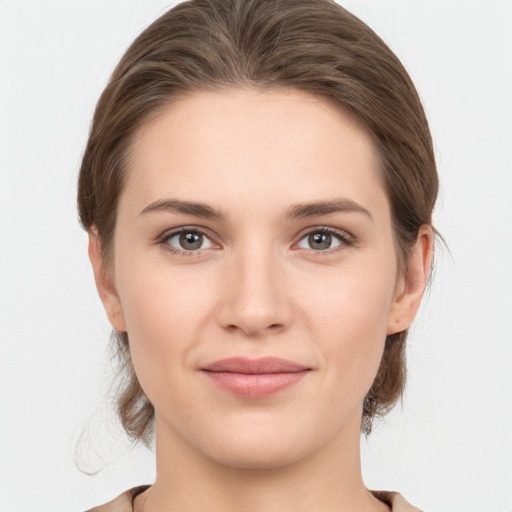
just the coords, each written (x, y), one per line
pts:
(254, 298)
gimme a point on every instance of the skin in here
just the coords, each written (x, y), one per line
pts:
(258, 286)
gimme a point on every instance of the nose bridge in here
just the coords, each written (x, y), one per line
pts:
(254, 299)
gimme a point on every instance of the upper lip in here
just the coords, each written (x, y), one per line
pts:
(250, 366)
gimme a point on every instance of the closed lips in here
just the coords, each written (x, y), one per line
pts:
(255, 366)
(255, 378)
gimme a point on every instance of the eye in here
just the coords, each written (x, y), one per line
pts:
(322, 240)
(188, 240)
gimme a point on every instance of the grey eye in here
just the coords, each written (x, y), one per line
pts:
(320, 241)
(189, 241)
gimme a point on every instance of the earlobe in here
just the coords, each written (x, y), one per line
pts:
(105, 283)
(412, 286)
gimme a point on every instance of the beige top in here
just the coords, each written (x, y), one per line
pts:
(124, 503)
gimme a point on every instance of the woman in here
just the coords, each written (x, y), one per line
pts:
(258, 189)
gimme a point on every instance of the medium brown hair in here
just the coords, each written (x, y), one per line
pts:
(314, 46)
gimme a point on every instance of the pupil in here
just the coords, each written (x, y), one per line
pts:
(191, 241)
(320, 241)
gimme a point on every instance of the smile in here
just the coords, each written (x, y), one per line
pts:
(255, 378)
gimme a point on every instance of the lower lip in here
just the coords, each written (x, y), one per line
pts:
(255, 385)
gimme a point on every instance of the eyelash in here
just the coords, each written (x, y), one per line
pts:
(164, 240)
(345, 239)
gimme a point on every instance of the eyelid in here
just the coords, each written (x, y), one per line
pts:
(346, 238)
(166, 235)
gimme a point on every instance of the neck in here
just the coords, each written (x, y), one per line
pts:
(327, 480)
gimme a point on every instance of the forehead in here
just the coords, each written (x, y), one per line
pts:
(247, 144)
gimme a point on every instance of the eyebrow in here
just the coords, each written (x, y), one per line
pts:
(187, 207)
(296, 211)
(318, 208)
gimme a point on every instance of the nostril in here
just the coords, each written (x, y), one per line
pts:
(233, 327)
(271, 327)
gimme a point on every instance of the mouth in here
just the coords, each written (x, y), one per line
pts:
(255, 378)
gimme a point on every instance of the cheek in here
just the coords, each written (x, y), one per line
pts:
(164, 313)
(349, 319)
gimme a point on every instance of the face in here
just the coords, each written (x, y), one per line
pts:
(255, 272)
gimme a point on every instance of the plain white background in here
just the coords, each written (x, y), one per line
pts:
(448, 449)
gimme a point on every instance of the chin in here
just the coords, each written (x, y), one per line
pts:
(265, 446)
(256, 457)
(259, 438)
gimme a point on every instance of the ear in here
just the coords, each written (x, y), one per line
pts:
(105, 283)
(411, 286)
